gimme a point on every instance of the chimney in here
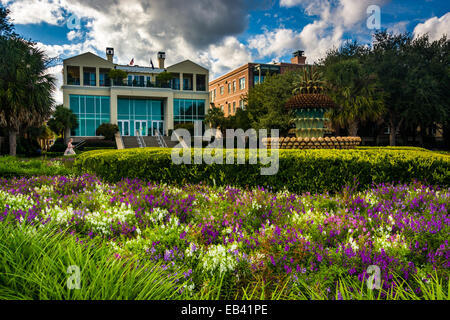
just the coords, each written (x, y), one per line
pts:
(161, 58)
(298, 57)
(110, 54)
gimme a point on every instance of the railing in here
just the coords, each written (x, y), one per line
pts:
(160, 140)
(180, 139)
(140, 140)
(79, 144)
(148, 84)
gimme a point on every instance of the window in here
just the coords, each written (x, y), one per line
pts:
(213, 95)
(221, 108)
(234, 107)
(91, 112)
(73, 75)
(187, 110)
(229, 87)
(229, 108)
(234, 86)
(241, 83)
(241, 104)
(187, 81)
(176, 81)
(140, 113)
(221, 90)
(104, 78)
(89, 77)
(201, 82)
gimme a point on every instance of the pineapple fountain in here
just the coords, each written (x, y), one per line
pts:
(309, 106)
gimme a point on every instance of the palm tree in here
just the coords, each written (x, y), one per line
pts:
(25, 87)
(355, 93)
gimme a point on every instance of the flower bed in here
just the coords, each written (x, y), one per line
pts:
(245, 237)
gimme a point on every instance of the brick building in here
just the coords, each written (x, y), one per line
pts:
(227, 92)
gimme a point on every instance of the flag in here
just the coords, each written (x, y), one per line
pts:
(132, 62)
(151, 62)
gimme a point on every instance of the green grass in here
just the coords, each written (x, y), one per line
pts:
(17, 167)
(34, 264)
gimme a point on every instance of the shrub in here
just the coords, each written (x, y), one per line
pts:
(14, 167)
(108, 130)
(299, 170)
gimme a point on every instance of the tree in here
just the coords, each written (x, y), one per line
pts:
(6, 27)
(215, 117)
(108, 130)
(62, 121)
(164, 78)
(266, 102)
(117, 76)
(25, 87)
(413, 74)
(354, 90)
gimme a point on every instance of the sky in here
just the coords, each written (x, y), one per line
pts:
(220, 35)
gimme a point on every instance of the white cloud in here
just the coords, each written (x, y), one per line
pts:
(275, 43)
(435, 27)
(35, 11)
(399, 27)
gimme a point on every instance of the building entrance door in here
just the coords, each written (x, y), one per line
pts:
(124, 127)
(158, 126)
(141, 127)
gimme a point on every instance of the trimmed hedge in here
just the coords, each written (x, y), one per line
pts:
(299, 171)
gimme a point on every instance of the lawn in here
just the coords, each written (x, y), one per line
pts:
(142, 240)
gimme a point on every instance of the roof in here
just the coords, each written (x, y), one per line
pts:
(139, 69)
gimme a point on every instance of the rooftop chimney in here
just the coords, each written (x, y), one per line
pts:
(161, 58)
(298, 57)
(110, 54)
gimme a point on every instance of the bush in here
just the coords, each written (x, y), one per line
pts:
(299, 170)
(108, 130)
(14, 167)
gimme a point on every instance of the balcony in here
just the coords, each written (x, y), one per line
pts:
(139, 84)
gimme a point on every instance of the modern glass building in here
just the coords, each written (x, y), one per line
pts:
(141, 103)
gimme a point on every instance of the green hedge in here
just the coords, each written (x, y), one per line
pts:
(299, 171)
(15, 167)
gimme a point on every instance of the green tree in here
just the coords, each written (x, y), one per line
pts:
(215, 117)
(108, 130)
(164, 78)
(25, 87)
(117, 76)
(6, 27)
(62, 121)
(266, 102)
(414, 74)
(354, 90)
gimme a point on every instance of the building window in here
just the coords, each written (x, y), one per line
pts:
(91, 112)
(234, 86)
(73, 76)
(201, 82)
(176, 81)
(229, 108)
(221, 90)
(241, 104)
(104, 78)
(186, 110)
(89, 77)
(213, 95)
(187, 81)
(229, 87)
(234, 107)
(221, 108)
(241, 83)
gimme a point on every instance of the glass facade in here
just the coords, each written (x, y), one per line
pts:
(140, 114)
(91, 112)
(186, 110)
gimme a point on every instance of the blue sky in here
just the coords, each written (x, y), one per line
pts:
(218, 34)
